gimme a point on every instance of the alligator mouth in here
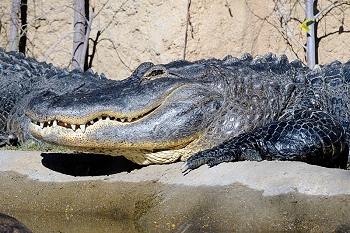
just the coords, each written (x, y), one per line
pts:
(103, 118)
(168, 122)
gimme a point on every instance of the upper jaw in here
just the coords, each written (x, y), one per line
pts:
(119, 102)
(173, 124)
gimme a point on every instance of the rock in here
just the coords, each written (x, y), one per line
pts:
(243, 196)
(9, 224)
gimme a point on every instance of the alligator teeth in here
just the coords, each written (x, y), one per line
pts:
(82, 127)
(55, 123)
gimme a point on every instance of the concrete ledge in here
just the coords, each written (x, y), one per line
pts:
(40, 190)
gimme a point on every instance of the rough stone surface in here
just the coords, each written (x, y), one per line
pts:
(133, 31)
(40, 190)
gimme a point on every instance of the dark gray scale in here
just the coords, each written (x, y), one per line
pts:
(270, 57)
(230, 61)
(246, 57)
(311, 136)
(281, 65)
(312, 126)
(18, 79)
(24, 78)
(329, 90)
(337, 93)
(259, 63)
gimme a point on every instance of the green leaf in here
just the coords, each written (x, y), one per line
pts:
(305, 25)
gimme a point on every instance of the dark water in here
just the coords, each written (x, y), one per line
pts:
(75, 222)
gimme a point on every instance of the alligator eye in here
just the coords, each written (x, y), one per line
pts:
(156, 72)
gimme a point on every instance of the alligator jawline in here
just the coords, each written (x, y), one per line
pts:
(82, 127)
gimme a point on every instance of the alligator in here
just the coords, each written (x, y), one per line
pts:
(25, 78)
(9, 224)
(202, 112)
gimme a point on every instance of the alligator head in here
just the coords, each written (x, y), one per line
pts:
(154, 116)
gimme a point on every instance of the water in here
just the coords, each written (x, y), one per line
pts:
(74, 222)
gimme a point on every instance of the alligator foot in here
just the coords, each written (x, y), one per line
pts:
(226, 152)
(205, 157)
(199, 159)
(310, 136)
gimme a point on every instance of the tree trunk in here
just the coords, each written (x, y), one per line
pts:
(310, 53)
(23, 34)
(78, 59)
(14, 25)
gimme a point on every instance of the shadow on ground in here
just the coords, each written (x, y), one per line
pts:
(81, 164)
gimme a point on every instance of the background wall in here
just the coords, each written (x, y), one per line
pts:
(135, 31)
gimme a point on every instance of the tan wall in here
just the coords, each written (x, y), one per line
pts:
(154, 30)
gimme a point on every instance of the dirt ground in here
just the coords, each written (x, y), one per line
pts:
(52, 192)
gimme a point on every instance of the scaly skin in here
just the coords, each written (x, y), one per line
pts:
(25, 78)
(209, 111)
(168, 113)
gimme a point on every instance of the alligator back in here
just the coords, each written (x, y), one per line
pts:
(327, 88)
(18, 77)
(306, 115)
(257, 92)
(272, 87)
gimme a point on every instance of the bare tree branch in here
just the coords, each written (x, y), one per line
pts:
(86, 39)
(288, 28)
(46, 13)
(14, 25)
(57, 43)
(112, 18)
(115, 48)
(79, 35)
(301, 5)
(187, 23)
(103, 6)
(321, 11)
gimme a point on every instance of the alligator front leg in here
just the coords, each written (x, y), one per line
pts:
(310, 136)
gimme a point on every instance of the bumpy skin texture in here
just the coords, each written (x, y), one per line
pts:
(311, 136)
(25, 78)
(208, 111)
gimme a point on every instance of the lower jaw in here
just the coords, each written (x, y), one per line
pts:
(62, 137)
(139, 156)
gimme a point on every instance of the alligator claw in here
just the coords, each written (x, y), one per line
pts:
(195, 161)
(185, 168)
(212, 157)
